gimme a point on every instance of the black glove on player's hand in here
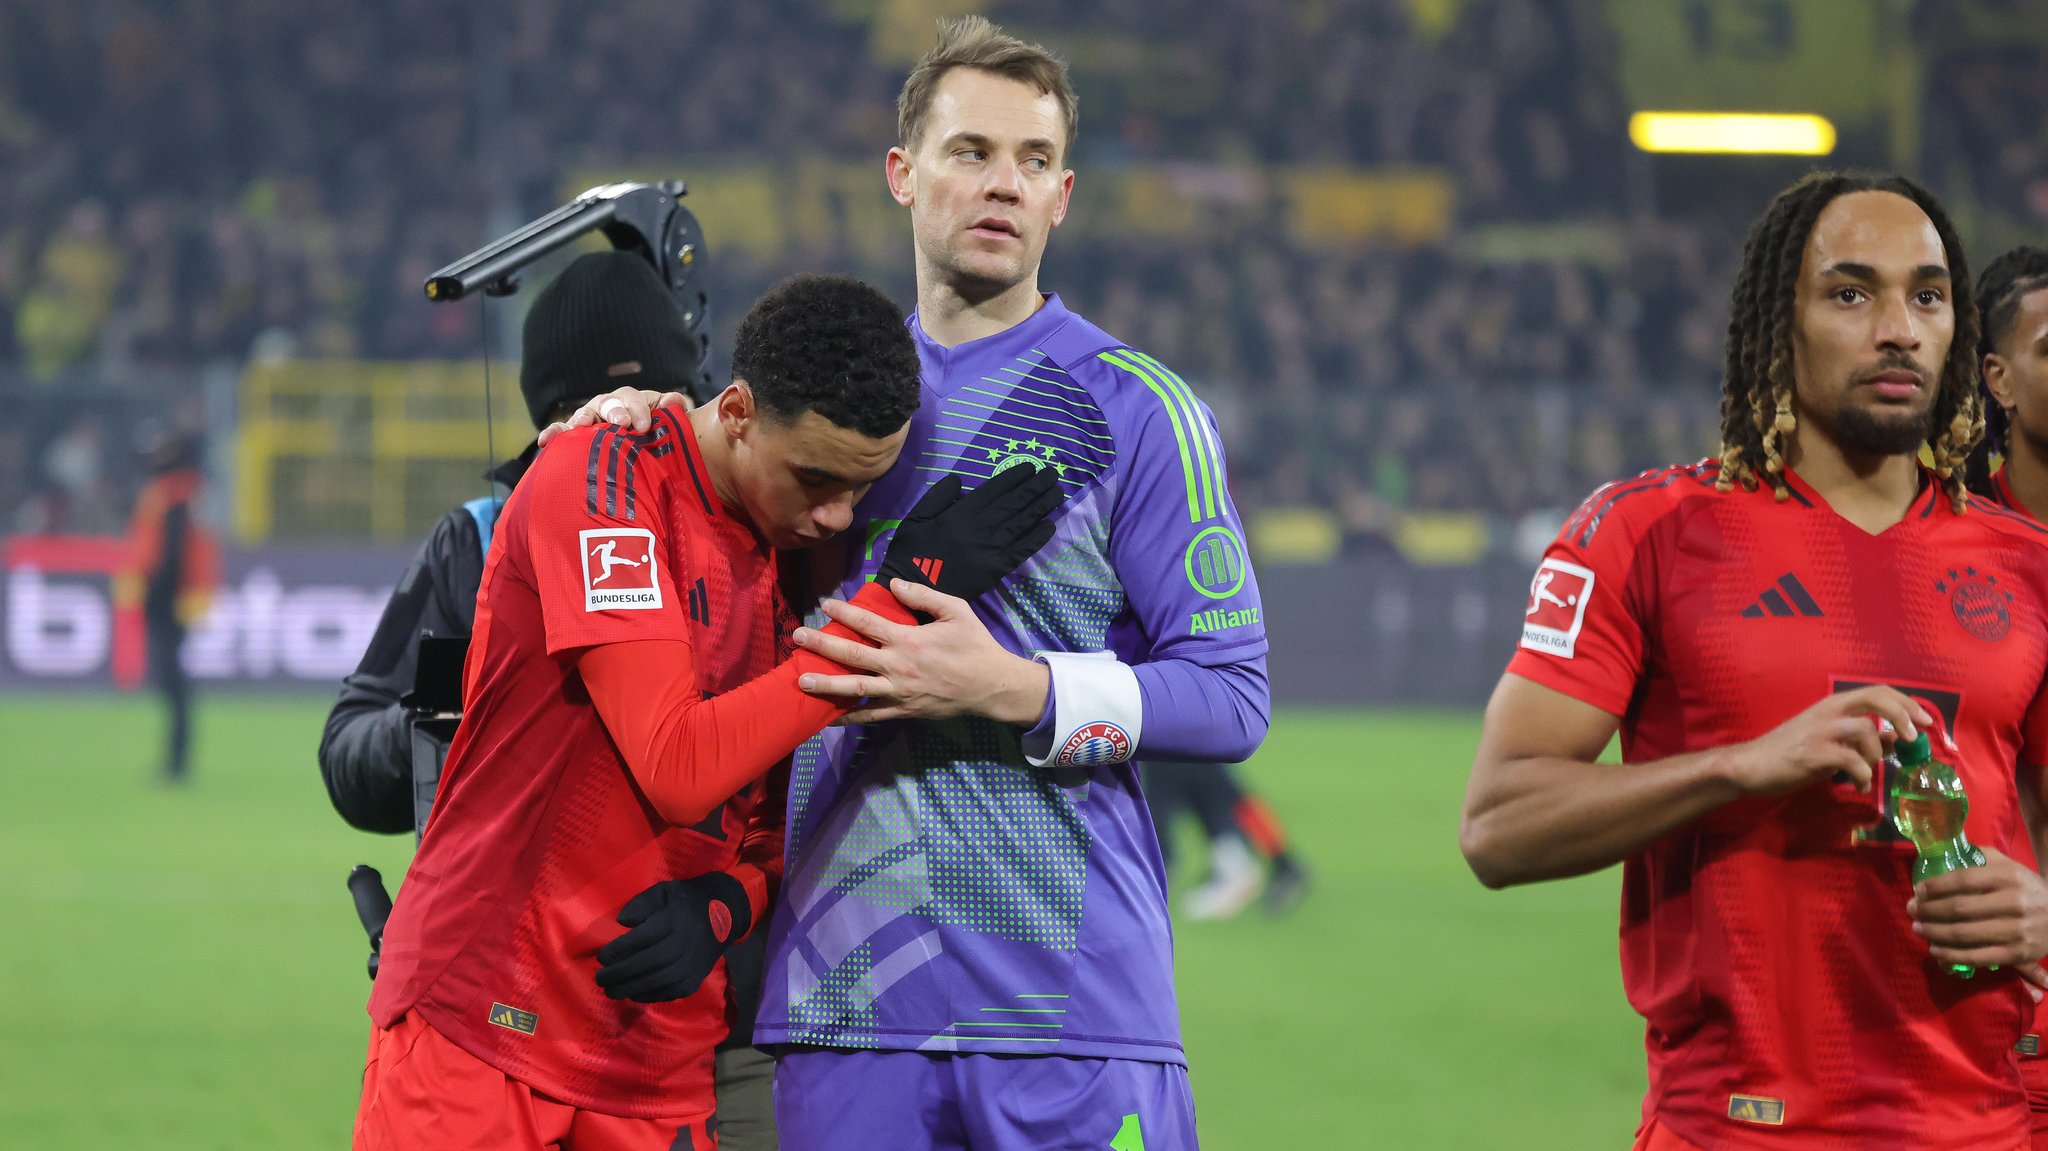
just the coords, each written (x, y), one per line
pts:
(678, 930)
(964, 545)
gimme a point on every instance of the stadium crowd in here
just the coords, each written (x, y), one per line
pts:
(247, 179)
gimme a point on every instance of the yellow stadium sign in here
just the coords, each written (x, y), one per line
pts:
(1851, 61)
(1753, 133)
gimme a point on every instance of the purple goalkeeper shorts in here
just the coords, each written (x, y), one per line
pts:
(833, 1100)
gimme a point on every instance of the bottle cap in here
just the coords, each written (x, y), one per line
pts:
(1913, 752)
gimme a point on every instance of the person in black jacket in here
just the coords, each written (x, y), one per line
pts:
(605, 321)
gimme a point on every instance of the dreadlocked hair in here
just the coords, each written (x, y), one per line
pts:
(2010, 279)
(1756, 386)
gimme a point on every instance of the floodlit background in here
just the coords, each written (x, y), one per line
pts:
(1413, 252)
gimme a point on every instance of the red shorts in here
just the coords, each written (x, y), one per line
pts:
(423, 1093)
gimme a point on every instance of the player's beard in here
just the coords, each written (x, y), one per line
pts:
(979, 280)
(978, 284)
(1871, 430)
(1867, 428)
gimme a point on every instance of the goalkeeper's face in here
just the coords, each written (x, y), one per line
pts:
(984, 183)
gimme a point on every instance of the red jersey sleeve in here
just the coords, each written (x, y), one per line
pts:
(1582, 631)
(688, 753)
(601, 567)
(759, 868)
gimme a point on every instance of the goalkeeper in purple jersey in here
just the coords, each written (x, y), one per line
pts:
(971, 948)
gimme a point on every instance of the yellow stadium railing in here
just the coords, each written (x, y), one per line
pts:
(358, 450)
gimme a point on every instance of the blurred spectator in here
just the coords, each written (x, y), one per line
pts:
(70, 294)
(79, 496)
(180, 189)
(174, 565)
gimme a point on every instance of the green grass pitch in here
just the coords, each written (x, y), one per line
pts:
(181, 969)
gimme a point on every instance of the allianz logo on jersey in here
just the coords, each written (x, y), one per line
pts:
(1217, 619)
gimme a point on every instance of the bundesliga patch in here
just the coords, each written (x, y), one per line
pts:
(1756, 1109)
(513, 1019)
(1095, 744)
(618, 570)
(1557, 607)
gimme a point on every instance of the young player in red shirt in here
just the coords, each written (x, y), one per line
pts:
(623, 700)
(1743, 622)
(2012, 299)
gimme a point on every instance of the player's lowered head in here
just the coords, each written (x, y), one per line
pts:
(1852, 338)
(824, 382)
(984, 125)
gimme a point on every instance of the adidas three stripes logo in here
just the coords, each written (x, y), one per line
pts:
(1787, 598)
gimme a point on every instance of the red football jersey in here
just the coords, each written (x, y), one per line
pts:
(539, 834)
(2002, 494)
(1788, 1001)
(2033, 1060)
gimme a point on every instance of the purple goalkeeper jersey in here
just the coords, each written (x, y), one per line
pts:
(941, 894)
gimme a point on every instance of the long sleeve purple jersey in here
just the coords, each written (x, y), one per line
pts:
(943, 894)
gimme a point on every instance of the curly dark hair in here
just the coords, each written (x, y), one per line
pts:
(1756, 388)
(831, 345)
(2011, 278)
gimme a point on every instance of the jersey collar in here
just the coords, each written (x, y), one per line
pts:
(693, 458)
(1922, 507)
(2003, 493)
(1010, 344)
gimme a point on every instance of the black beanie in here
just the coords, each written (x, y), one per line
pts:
(606, 322)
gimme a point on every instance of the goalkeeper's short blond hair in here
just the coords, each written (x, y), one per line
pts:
(974, 42)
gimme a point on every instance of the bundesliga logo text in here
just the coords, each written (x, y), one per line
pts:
(619, 570)
(1557, 607)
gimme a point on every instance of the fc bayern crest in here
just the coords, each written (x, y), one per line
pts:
(1979, 603)
(1095, 744)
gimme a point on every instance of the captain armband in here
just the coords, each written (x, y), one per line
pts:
(1098, 711)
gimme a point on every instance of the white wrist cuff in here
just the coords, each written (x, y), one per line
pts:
(1097, 713)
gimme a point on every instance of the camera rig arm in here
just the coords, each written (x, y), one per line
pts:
(649, 219)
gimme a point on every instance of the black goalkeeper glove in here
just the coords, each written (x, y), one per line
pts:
(964, 545)
(678, 930)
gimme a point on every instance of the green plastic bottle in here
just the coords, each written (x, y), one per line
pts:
(1929, 807)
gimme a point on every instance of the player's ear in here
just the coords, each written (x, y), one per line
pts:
(1059, 210)
(735, 409)
(1997, 382)
(902, 177)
